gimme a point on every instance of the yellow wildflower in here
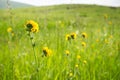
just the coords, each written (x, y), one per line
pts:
(67, 52)
(67, 37)
(46, 51)
(76, 65)
(84, 61)
(70, 74)
(83, 44)
(9, 30)
(84, 35)
(32, 26)
(49, 52)
(78, 56)
(73, 35)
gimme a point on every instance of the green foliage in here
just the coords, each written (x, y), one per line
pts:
(99, 59)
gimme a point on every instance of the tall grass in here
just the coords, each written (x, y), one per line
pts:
(98, 60)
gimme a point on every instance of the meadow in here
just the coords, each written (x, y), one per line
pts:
(74, 42)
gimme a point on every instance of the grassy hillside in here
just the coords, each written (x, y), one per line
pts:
(3, 4)
(93, 54)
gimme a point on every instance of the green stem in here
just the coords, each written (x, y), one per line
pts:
(35, 58)
(33, 46)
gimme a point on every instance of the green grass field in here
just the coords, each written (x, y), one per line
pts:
(95, 56)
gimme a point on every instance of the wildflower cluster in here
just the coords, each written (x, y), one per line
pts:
(84, 35)
(71, 36)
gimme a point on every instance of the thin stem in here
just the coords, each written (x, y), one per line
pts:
(35, 57)
(34, 54)
(33, 46)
